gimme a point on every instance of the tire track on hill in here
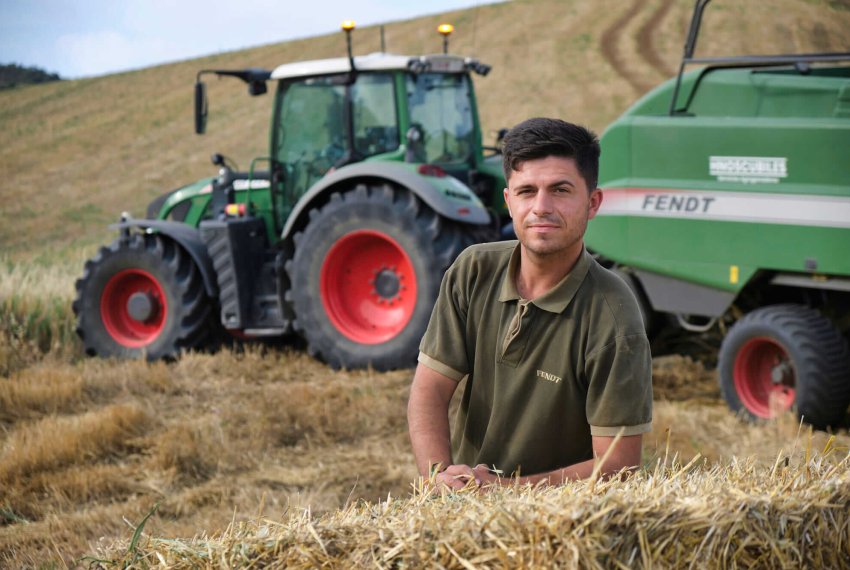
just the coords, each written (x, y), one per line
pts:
(646, 48)
(608, 46)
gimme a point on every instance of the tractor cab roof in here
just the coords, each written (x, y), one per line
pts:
(440, 63)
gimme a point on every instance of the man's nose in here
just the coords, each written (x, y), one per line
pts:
(542, 203)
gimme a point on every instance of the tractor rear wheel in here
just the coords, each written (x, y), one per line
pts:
(142, 297)
(784, 356)
(365, 275)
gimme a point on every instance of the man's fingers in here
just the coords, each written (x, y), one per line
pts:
(458, 470)
(456, 477)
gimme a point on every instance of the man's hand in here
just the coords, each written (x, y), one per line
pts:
(486, 477)
(456, 477)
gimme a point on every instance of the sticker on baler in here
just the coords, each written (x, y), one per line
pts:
(748, 169)
(765, 208)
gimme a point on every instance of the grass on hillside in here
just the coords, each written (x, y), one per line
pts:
(78, 153)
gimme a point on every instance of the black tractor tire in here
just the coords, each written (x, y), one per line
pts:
(355, 268)
(143, 297)
(784, 356)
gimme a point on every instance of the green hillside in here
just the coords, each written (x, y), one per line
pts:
(75, 154)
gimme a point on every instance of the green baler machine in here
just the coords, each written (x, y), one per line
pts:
(727, 202)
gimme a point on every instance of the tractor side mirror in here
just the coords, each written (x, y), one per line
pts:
(257, 88)
(413, 138)
(200, 107)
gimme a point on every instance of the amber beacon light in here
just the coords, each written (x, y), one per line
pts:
(445, 31)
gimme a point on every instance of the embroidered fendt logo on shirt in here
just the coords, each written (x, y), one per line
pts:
(549, 377)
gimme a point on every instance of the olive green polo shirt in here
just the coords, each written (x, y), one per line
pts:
(543, 376)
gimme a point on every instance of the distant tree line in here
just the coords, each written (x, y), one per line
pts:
(14, 74)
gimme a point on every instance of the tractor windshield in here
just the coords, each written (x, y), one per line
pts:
(374, 122)
(312, 126)
(440, 108)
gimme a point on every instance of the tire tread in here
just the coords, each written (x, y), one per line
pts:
(822, 364)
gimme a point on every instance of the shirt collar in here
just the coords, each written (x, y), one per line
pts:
(559, 297)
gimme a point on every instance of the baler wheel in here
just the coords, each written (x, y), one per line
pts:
(142, 297)
(365, 275)
(786, 356)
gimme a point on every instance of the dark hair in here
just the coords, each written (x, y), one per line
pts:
(541, 137)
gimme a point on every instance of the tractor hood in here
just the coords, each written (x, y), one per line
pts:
(162, 206)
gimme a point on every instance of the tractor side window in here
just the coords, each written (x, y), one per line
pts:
(440, 107)
(375, 124)
(311, 131)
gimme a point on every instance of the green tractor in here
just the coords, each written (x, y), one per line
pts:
(376, 180)
(727, 205)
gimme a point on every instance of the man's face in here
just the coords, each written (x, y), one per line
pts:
(550, 205)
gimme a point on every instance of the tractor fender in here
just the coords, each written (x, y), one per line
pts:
(445, 195)
(187, 237)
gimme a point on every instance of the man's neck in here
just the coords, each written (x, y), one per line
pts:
(538, 274)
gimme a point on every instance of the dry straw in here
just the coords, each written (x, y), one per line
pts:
(794, 513)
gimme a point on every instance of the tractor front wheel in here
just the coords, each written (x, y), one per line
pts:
(786, 356)
(142, 297)
(365, 275)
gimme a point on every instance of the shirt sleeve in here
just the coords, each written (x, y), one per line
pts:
(619, 397)
(443, 347)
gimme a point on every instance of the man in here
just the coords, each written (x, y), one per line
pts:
(552, 344)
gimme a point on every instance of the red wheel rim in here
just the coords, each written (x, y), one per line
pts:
(368, 287)
(114, 311)
(764, 377)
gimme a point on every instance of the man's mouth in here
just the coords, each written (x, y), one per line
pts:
(543, 226)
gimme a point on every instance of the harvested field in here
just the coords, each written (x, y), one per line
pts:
(217, 439)
(676, 377)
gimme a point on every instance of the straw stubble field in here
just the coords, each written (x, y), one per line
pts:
(267, 457)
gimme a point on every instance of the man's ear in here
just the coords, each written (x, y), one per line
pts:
(507, 202)
(595, 203)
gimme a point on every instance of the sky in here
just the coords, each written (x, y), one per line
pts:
(83, 38)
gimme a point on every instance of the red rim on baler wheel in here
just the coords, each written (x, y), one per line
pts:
(764, 377)
(115, 312)
(368, 287)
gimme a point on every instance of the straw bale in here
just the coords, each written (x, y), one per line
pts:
(794, 513)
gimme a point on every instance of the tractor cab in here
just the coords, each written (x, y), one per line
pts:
(419, 110)
(415, 112)
(331, 113)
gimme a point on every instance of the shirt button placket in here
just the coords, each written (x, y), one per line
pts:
(515, 326)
